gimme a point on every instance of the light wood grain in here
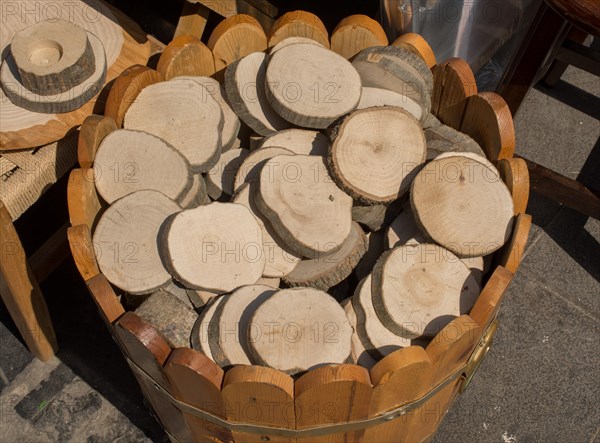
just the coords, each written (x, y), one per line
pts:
(91, 133)
(249, 170)
(185, 55)
(82, 198)
(454, 84)
(511, 254)
(356, 32)
(298, 24)
(82, 249)
(515, 174)
(298, 141)
(220, 179)
(418, 45)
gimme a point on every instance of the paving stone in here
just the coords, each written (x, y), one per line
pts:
(539, 383)
(14, 356)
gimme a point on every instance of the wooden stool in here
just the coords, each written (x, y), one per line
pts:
(25, 177)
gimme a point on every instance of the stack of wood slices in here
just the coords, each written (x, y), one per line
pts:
(308, 210)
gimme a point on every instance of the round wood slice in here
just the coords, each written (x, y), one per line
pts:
(203, 332)
(298, 24)
(91, 133)
(254, 141)
(397, 70)
(125, 241)
(279, 259)
(129, 161)
(311, 86)
(417, 45)
(249, 170)
(231, 122)
(189, 296)
(376, 247)
(308, 211)
(372, 97)
(270, 282)
(299, 329)
(328, 270)
(299, 141)
(403, 230)
(419, 289)
(358, 354)
(185, 55)
(378, 340)
(461, 204)
(126, 88)
(173, 318)
(220, 179)
(376, 153)
(244, 80)
(292, 41)
(196, 194)
(231, 320)
(492, 174)
(185, 115)
(217, 247)
(236, 37)
(60, 102)
(460, 142)
(356, 32)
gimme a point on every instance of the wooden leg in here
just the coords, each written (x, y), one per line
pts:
(21, 293)
(193, 19)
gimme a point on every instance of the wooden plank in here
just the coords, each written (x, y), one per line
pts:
(400, 378)
(333, 394)
(511, 254)
(82, 250)
(487, 119)
(262, 396)
(193, 19)
(515, 174)
(21, 293)
(488, 304)
(149, 351)
(50, 255)
(105, 298)
(454, 83)
(91, 133)
(196, 380)
(564, 190)
(82, 199)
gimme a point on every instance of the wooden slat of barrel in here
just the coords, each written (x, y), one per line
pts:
(82, 249)
(262, 396)
(511, 254)
(149, 350)
(487, 305)
(332, 394)
(515, 174)
(400, 378)
(454, 83)
(82, 198)
(196, 380)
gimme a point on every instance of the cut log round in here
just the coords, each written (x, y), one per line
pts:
(292, 41)
(475, 157)
(417, 45)
(328, 270)
(403, 230)
(299, 141)
(397, 70)
(463, 205)
(419, 289)
(173, 318)
(196, 194)
(376, 153)
(231, 122)
(308, 211)
(125, 241)
(217, 247)
(455, 140)
(185, 55)
(311, 86)
(270, 282)
(249, 170)
(244, 80)
(125, 89)
(73, 98)
(185, 115)
(298, 24)
(220, 179)
(372, 97)
(129, 161)
(230, 322)
(203, 332)
(378, 340)
(299, 329)
(91, 133)
(356, 32)
(279, 259)
(236, 37)
(359, 354)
